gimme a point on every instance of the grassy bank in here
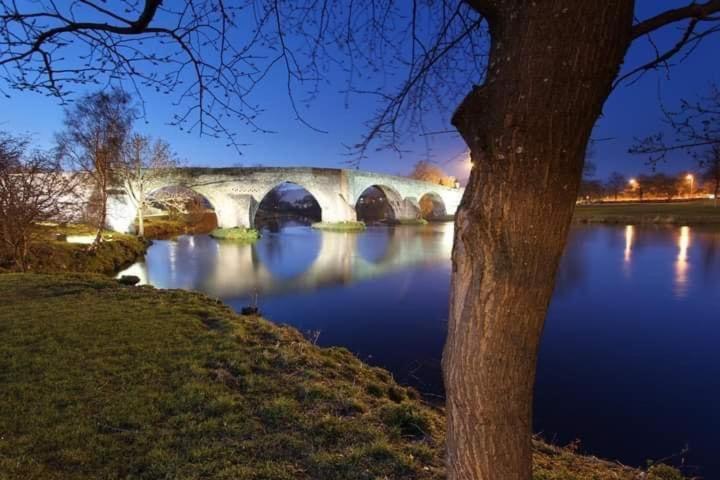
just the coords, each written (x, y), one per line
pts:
(51, 252)
(237, 234)
(160, 227)
(103, 381)
(340, 226)
(410, 221)
(681, 213)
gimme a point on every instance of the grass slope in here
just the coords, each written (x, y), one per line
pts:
(51, 254)
(98, 380)
(685, 213)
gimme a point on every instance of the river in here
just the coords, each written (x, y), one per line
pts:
(630, 357)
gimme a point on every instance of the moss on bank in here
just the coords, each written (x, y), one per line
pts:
(98, 380)
(340, 226)
(410, 221)
(51, 253)
(237, 234)
(677, 213)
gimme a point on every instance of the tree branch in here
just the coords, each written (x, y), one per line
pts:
(698, 11)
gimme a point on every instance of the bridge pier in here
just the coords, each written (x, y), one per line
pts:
(235, 210)
(121, 213)
(407, 209)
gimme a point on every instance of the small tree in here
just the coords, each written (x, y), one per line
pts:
(616, 184)
(659, 185)
(696, 131)
(143, 162)
(33, 189)
(96, 129)
(709, 161)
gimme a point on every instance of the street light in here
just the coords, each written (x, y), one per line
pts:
(635, 185)
(690, 178)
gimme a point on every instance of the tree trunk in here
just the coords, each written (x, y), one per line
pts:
(141, 215)
(102, 217)
(550, 71)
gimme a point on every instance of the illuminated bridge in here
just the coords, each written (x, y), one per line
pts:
(235, 193)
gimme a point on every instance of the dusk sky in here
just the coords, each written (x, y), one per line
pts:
(632, 111)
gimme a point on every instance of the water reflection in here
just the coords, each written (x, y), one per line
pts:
(628, 363)
(681, 264)
(629, 234)
(295, 259)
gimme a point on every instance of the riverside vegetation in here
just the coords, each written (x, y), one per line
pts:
(99, 380)
(678, 213)
(51, 252)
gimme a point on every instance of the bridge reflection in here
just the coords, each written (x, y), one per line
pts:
(296, 259)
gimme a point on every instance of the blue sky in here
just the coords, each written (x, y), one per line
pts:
(631, 111)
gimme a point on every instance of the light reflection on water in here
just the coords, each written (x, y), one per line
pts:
(629, 360)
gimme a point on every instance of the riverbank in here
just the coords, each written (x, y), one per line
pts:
(65, 249)
(700, 212)
(164, 227)
(101, 380)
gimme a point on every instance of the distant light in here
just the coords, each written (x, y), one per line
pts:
(689, 177)
(633, 182)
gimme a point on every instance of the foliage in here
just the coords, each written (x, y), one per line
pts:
(428, 172)
(239, 234)
(105, 381)
(33, 189)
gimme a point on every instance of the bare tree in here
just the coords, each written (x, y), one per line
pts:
(538, 74)
(709, 161)
(33, 189)
(144, 161)
(96, 129)
(695, 129)
(616, 184)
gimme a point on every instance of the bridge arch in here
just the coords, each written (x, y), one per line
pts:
(388, 194)
(271, 201)
(432, 206)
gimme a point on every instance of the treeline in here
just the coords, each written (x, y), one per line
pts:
(651, 186)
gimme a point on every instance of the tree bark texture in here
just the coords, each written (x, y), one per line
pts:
(551, 68)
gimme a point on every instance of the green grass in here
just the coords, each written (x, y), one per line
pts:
(238, 234)
(50, 253)
(410, 221)
(164, 226)
(340, 226)
(98, 380)
(685, 213)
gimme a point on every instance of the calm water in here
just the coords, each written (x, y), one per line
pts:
(630, 359)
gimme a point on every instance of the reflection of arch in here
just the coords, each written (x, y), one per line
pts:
(286, 258)
(392, 197)
(432, 206)
(264, 195)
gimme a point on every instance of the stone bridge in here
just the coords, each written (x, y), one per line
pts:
(235, 193)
